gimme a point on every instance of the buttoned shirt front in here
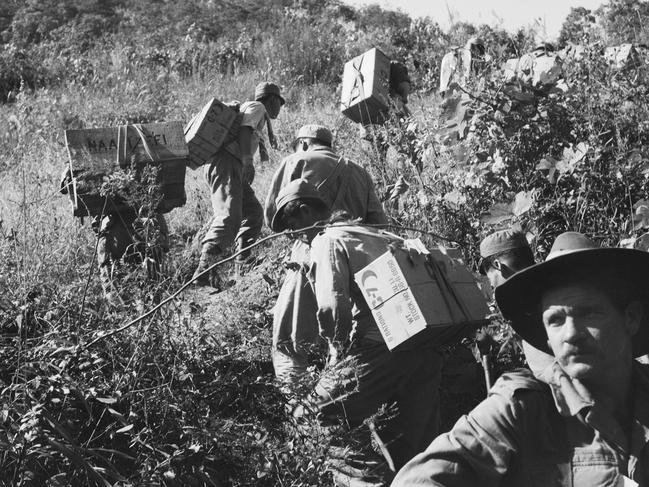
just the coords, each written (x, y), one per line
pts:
(529, 434)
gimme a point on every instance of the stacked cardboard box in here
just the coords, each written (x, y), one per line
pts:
(95, 154)
(366, 87)
(208, 131)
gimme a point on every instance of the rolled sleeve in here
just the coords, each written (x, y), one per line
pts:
(276, 185)
(253, 115)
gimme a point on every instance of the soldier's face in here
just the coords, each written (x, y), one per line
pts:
(589, 336)
(274, 106)
(305, 217)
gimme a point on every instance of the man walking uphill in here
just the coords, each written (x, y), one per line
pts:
(237, 212)
(344, 186)
(585, 424)
(362, 374)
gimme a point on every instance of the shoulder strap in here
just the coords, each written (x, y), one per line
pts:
(344, 182)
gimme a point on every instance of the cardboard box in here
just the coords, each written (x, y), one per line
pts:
(422, 295)
(365, 94)
(208, 131)
(94, 154)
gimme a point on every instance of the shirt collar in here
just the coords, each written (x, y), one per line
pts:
(570, 395)
(571, 398)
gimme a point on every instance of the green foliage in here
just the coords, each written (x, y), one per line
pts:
(625, 21)
(578, 27)
(187, 397)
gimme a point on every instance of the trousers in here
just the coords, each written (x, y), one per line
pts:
(295, 326)
(125, 239)
(376, 397)
(238, 215)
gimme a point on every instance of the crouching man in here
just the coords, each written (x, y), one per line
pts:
(587, 423)
(343, 185)
(361, 374)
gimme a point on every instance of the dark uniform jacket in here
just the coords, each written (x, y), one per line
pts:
(525, 434)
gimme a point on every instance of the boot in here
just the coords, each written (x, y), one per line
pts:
(244, 260)
(209, 255)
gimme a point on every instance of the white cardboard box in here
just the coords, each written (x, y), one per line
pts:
(366, 87)
(411, 292)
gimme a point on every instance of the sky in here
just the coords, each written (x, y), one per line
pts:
(510, 14)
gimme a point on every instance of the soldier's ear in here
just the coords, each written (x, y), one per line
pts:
(633, 317)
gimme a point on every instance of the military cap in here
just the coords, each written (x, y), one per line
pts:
(298, 189)
(501, 241)
(313, 131)
(267, 88)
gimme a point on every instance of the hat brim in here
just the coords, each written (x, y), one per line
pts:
(277, 222)
(519, 298)
(296, 140)
(281, 98)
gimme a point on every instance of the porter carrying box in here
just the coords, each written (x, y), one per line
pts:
(95, 154)
(420, 295)
(208, 131)
(366, 88)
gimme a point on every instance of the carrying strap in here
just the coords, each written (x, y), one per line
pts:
(447, 288)
(122, 144)
(337, 176)
(231, 142)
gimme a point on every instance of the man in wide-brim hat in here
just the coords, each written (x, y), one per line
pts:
(588, 423)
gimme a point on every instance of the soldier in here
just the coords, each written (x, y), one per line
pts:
(458, 68)
(459, 65)
(504, 253)
(541, 68)
(344, 186)
(125, 235)
(361, 375)
(378, 137)
(586, 423)
(400, 87)
(238, 215)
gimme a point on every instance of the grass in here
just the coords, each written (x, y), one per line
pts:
(186, 397)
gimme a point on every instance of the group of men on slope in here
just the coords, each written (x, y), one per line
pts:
(580, 418)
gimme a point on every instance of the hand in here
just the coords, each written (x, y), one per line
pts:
(66, 181)
(484, 341)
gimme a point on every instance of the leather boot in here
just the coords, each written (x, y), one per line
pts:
(209, 255)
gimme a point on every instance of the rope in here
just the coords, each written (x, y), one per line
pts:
(233, 256)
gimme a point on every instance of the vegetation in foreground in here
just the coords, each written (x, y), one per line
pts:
(186, 396)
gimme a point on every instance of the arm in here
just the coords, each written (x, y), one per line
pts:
(273, 191)
(330, 277)
(483, 446)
